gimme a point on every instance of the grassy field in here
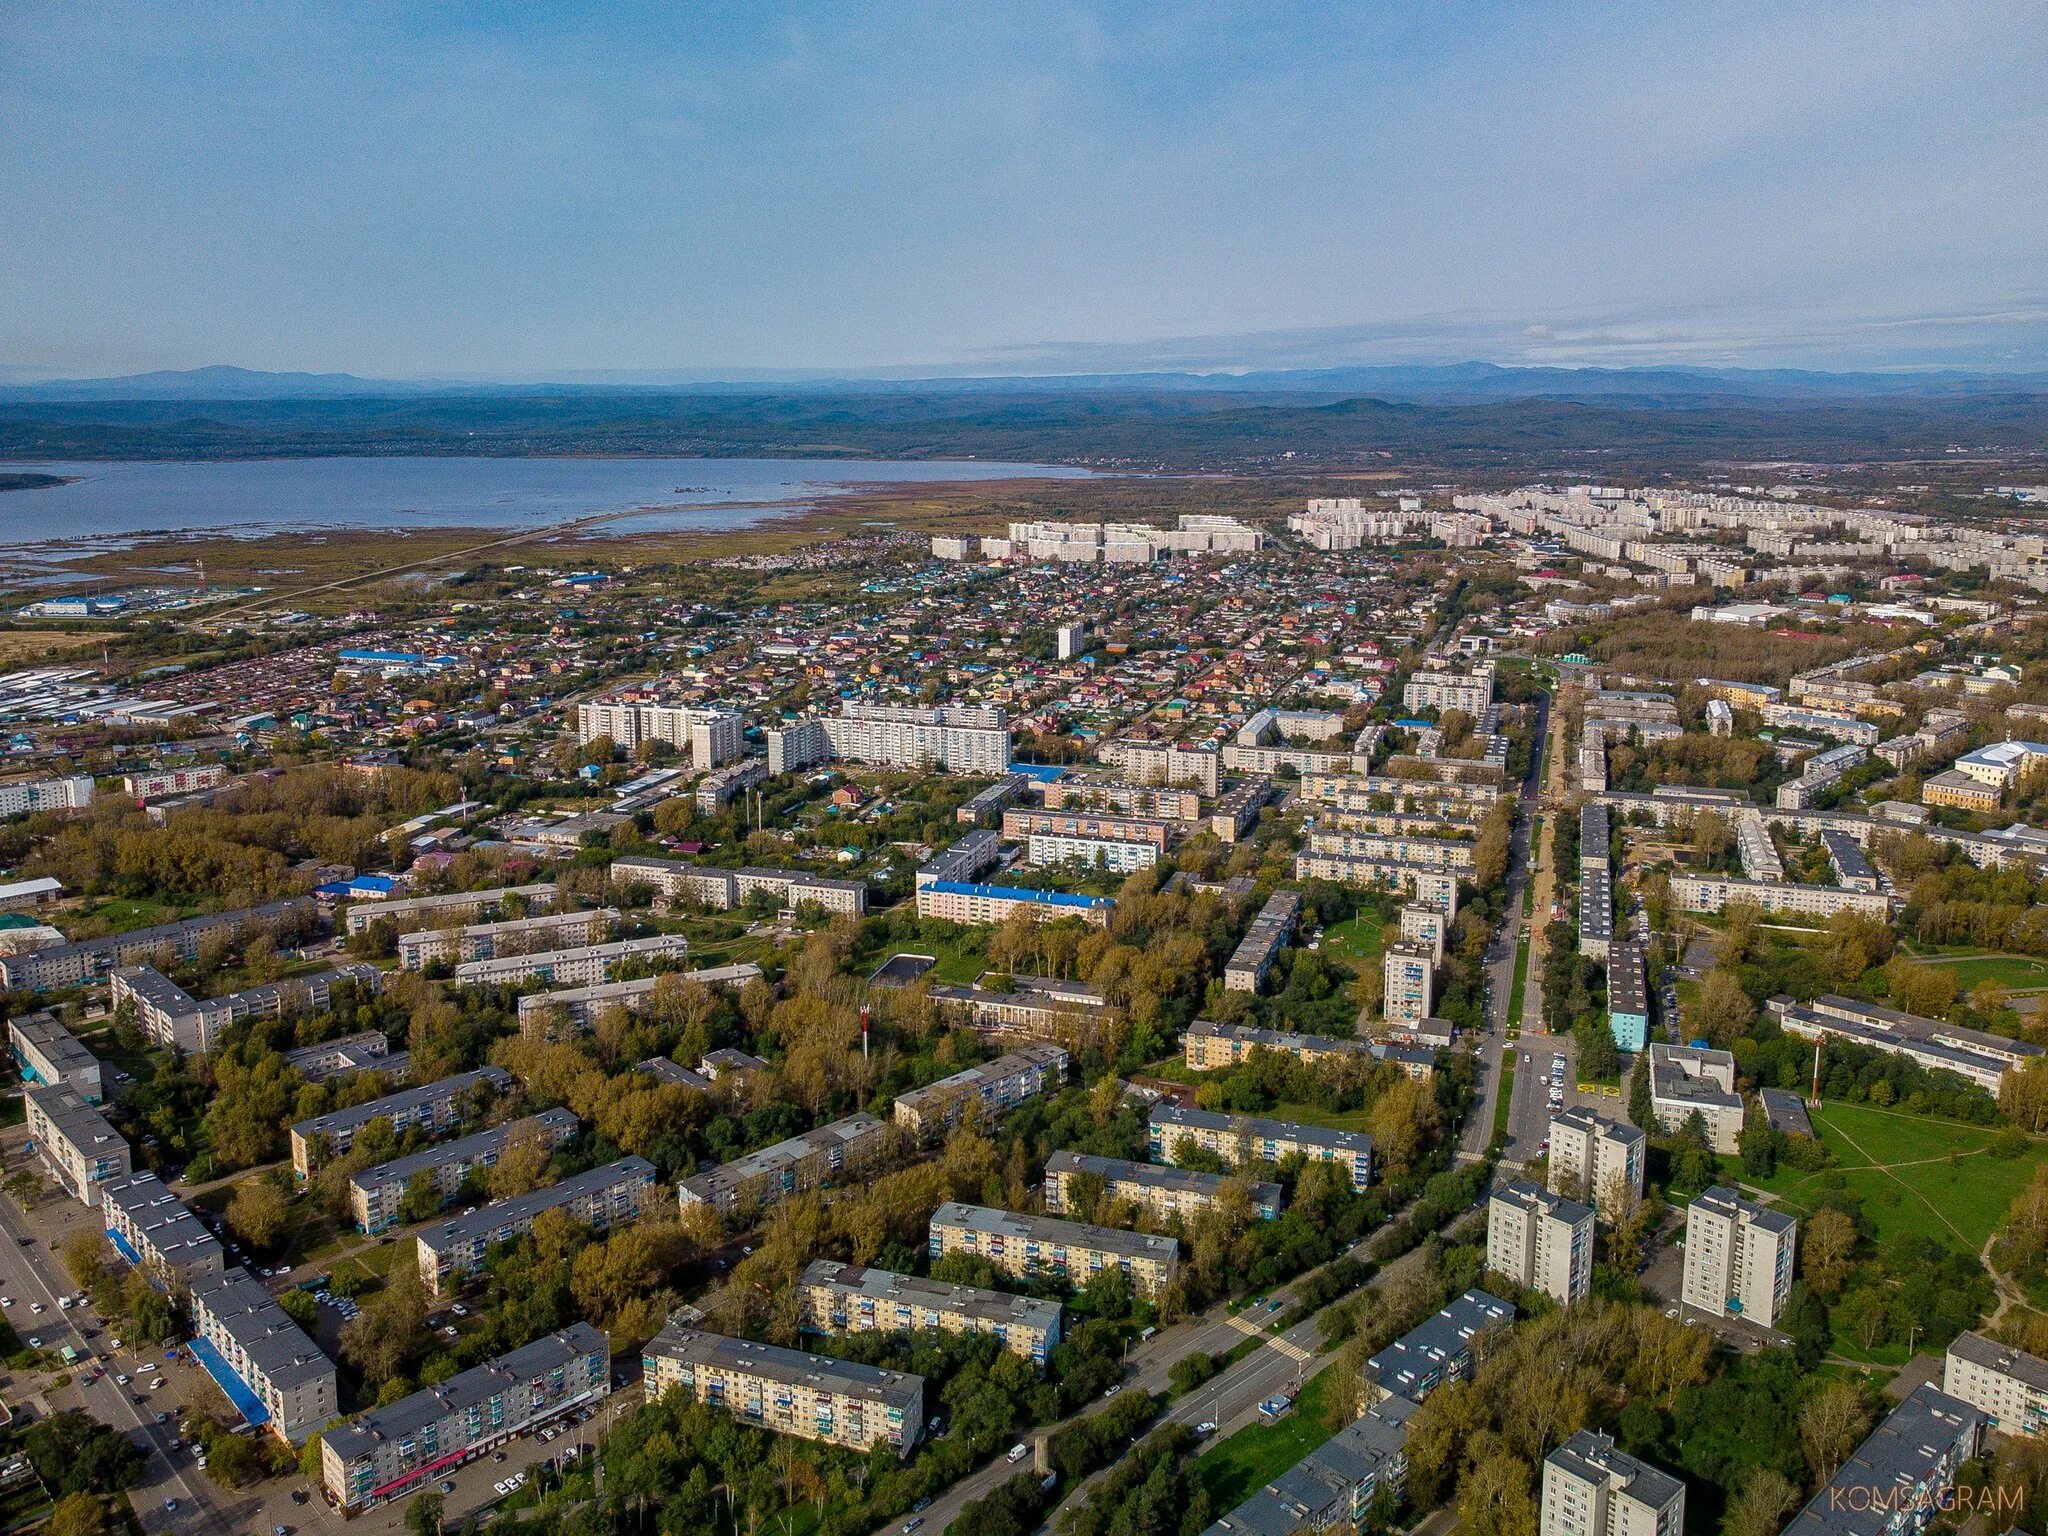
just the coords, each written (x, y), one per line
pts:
(1308, 1114)
(29, 645)
(1258, 1453)
(2009, 971)
(1358, 938)
(1914, 1174)
(1521, 985)
(958, 966)
(121, 915)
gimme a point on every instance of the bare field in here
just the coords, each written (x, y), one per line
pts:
(19, 646)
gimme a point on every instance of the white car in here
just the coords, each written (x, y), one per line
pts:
(501, 1488)
(36, 1307)
(157, 1383)
(6, 1301)
(1019, 1452)
(120, 1381)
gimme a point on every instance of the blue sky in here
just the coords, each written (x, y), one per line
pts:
(455, 191)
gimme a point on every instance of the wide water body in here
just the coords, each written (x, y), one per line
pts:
(259, 496)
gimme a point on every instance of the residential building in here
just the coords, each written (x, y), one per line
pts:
(171, 1016)
(712, 736)
(1901, 1477)
(1428, 927)
(74, 1142)
(1597, 1160)
(516, 936)
(787, 1391)
(1443, 1348)
(375, 1193)
(952, 901)
(365, 1051)
(1212, 1047)
(833, 1297)
(601, 1198)
(1158, 762)
(1687, 1080)
(1710, 893)
(409, 912)
(1335, 1487)
(436, 1108)
(1021, 826)
(582, 1007)
(1243, 1141)
(1628, 997)
(391, 1451)
(173, 781)
(1246, 969)
(951, 739)
(154, 1230)
(1738, 1256)
(1027, 1247)
(1593, 1488)
(994, 1086)
(1162, 1193)
(1439, 691)
(262, 1360)
(1113, 855)
(1410, 978)
(720, 890)
(1426, 883)
(762, 1178)
(24, 797)
(2006, 1385)
(1977, 1056)
(1596, 911)
(88, 960)
(49, 1056)
(1540, 1241)
(570, 967)
(1961, 792)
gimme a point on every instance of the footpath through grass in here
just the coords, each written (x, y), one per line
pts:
(1242, 1465)
(1915, 1174)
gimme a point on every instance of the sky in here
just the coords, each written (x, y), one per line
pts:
(747, 190)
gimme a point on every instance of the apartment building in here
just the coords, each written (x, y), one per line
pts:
(570, 967)
(582, 1007)
(1596, 912)
(600, 1198)
(1900, 1479)
(1410, 984)
(838, 1298)
(995, 1087)
(1212, 1047)
(48, 1055)
(720, 890)
(1048, 850)
(1242, 1141)
(436, 1108)
(1541, 1241)
(1593, 1488)
(1596, 1160)
(1710, 893)
(762, 1178)
(516, 936)
(154, 1230)
(1159, 762)
(1428, 927)
(88, 960)
(1439, 690)
(173, 781)
(1628, 997)
(2008, 1386)
(955, 738)
(1975, 1055)
(1442, 1348)
(954, 901)
(1151, 801)
(712, 736)
(27, 797)
(1164, 1193)
(1237, 809)
(1688, 1080)
(171, 1016)
(1448, 853)
(1028, 1247)
(787, 1391)
(375, 1193)
(1425, 883)
(262, 1360)
(409, 912)
(1960, 792)
(365, 1051)
(1274, 925)
(392, 1450)
(1738, 1257)
(1335, 1486)
(1089, 826)
(74, 1142)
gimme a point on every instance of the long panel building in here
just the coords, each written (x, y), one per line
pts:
(994, 1086)
(262, 1360)
(1211, 1047)
(513, 936)
(849, 1298)
(570, 967)
(785, 1390)
(76, 1145)
(720, 890)
(375, 1193)
(154, 1230)
(802, 1162)
(953, 738)
(1244, 1140)
(1028, 1247)
(86, 960)
(171, 1016)
(393, 1450)
(436, 1108)
(601, 1197)
(1161, 1192)
(407, 913)
(1894, 1484)
(1440, 1349)
(49, 1056)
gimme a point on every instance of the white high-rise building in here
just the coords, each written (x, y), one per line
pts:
(712, 736)
(1597, 1160)
(1073, 641)
(954, 738)
(1738, 1257)
(1590, 1488)
(1542, 1242)
(1410, 991)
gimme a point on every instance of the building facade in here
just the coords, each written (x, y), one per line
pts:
(1030, 1247)
(1540, 1241)
(849, 1298)
(601, 1198)
(1243, 1141)
(1593, 1488)
(290, 1384)
(1738, 1257)
(787, 1391)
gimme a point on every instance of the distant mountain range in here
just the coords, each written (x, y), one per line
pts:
(1652, 388)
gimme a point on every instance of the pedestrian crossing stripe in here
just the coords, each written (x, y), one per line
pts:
(1252, 1330)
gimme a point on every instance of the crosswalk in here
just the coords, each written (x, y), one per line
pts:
(1252, 1330)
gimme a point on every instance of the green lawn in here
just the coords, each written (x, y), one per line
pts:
(1308, 1114)
(121, 915)
(2009, 971)
(1520, 987)
(957, 965)
(1240, 1466)
(1915, 1174)
(1358, 938)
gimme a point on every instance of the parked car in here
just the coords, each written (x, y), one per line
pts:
(1019, 1452)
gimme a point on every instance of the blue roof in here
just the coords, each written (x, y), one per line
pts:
(246, 1402)
(124, 1248)
(1041, 773)
(1017, 893)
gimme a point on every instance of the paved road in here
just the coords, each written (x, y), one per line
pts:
(31, 1274)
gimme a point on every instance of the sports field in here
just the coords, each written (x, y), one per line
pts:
(1914, 1174)
(1355, 939)
(2013, 972)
